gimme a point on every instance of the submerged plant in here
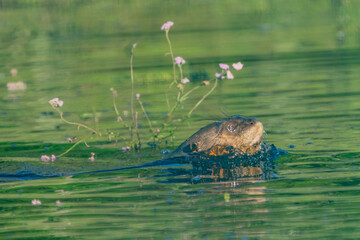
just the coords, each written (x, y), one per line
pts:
(56, 104)
(166, 130)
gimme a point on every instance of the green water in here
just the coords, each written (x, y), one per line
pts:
(300, 79)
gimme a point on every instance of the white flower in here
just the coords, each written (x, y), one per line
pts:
(15, 86)
(35, 202)
(179, 60)
(126, 149)
(185, 80)
(13, 72)
(219, 75)
(166, 26)
(92, 158)
(45, 158)
(56, 102)
(224, 66)
(229, 75)
(113, 91)
(238, 66)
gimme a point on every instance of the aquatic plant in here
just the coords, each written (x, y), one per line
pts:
(36, 202)
(224, 66)
(45, 158)
(237, 66)
(92, 158)
(167, 129)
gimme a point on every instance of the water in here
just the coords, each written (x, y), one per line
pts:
(300, 79)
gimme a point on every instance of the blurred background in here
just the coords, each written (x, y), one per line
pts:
(300, 75)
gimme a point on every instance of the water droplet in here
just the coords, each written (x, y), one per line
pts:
(197, 178)
(165, 151)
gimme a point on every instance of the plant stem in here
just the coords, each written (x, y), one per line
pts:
(137, 132)
(203, 98)
(132, 88)
(71, 148)
(167, 99)
(172, 54)
(174, 72)
(116, 109)
(173, 109)
(73, 123)
(181, 72)
(147, 117)
(180, 90)
(190, 91)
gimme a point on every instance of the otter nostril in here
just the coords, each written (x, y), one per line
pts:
(252, 122)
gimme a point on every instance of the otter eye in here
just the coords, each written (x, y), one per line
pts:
(230, 128)
(252, 121)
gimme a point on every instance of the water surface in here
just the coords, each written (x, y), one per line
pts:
(300, 79)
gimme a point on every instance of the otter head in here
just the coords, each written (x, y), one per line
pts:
(240, 131)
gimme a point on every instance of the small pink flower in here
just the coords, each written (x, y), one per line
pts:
(56, 102)
(113, 91)
(137, 95)
(238, 66)
(13, 72)
(224, 66)
(92, 158)
(219, 76)
(229, 75)
(166, 26)
(45, 158)
(185, 80)
(179, 60)
(53, 157)
(15, 86)
(125, 149)
(157, 130)
(35, 202)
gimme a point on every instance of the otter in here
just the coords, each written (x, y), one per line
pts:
(229, 137)
(234, 143)
(240, 133)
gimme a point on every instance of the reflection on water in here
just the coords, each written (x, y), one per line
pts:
(300, 79)
(229, 167)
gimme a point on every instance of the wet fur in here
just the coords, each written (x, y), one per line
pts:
(235, 131)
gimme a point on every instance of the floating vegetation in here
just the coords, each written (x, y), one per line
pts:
(166, 130)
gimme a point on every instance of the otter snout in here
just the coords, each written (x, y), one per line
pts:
(257, 130)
